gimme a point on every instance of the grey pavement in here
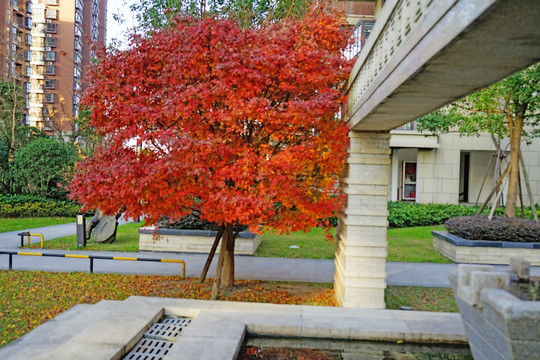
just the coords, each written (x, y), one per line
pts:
(246, 267)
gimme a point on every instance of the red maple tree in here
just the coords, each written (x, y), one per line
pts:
(239, 124)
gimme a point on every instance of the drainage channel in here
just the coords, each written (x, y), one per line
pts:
(157, 340)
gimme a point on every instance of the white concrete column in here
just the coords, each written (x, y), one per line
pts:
(360, 277)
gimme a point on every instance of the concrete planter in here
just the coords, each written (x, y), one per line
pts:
(194, 241)
(461, 250)
(499, 325)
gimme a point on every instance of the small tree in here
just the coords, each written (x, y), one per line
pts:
(510, 108)
(11, 105)
(239, 124)
(157, 14)
(41, 166)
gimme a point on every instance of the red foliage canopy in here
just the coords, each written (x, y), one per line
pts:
(239, 123)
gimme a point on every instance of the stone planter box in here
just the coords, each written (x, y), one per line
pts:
(499, 325)
(461, 250)
(194, 241)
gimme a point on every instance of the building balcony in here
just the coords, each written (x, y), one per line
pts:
(37, 62)
(37, 77)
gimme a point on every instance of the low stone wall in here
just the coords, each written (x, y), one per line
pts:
(461, 250)
(193, 241)
(499, 325)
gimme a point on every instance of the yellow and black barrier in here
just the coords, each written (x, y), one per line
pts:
(27, 234)
(92, 257)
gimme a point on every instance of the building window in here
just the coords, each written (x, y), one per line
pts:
(27, 71)
(50, 41)
(50, 69)
(49, 98)
(26, 87)
(51, 14)
(77, 44)
(52, 2)
(408, 126)
(27, 55)
(50, 84)
(50, 55)
(76, 73)
(28, 22)
(51, 28)
(28, 39)
(78, 18)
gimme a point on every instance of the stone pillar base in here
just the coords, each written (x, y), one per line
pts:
(360, 278)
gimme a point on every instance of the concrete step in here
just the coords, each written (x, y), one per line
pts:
(59, 330)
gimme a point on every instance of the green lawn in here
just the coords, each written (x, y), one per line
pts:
(420, 298)
(407, 244)
(414, 244)
(14, 224)
(127, 240)
(311, 245)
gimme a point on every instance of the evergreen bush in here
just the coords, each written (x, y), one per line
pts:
(13, 206)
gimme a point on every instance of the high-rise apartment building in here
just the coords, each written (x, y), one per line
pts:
(44, 47)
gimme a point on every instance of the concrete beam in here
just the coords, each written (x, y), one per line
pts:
(458, 48)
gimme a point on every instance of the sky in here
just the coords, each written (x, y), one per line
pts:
(114, 29)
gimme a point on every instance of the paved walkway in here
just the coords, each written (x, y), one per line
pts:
(247, 267)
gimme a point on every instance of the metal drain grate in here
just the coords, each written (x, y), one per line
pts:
(157, 340)
(149, 349)
(170, 329)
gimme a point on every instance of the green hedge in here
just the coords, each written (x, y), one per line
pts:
(13, 206)
(405, 214)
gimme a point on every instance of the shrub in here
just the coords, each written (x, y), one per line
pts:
(192, 222)
(13, 206)
(40, 166)
(500, 228)
(404, 214)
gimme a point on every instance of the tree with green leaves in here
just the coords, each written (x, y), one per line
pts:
(13, 134)
(84, 136)
(42, 168)
(508, 109)
(11, 105)
(156, 14)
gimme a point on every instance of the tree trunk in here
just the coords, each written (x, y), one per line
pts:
(515, 145)
(219, 268)
(225, 265)
(228, 264)
(219, 235)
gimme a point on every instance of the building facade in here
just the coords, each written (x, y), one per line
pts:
(452, 169)
(45, 46)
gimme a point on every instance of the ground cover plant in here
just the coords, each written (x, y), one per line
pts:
(31, 298)
(21, 224)
(498, 228)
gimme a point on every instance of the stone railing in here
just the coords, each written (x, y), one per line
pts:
(395, 24)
